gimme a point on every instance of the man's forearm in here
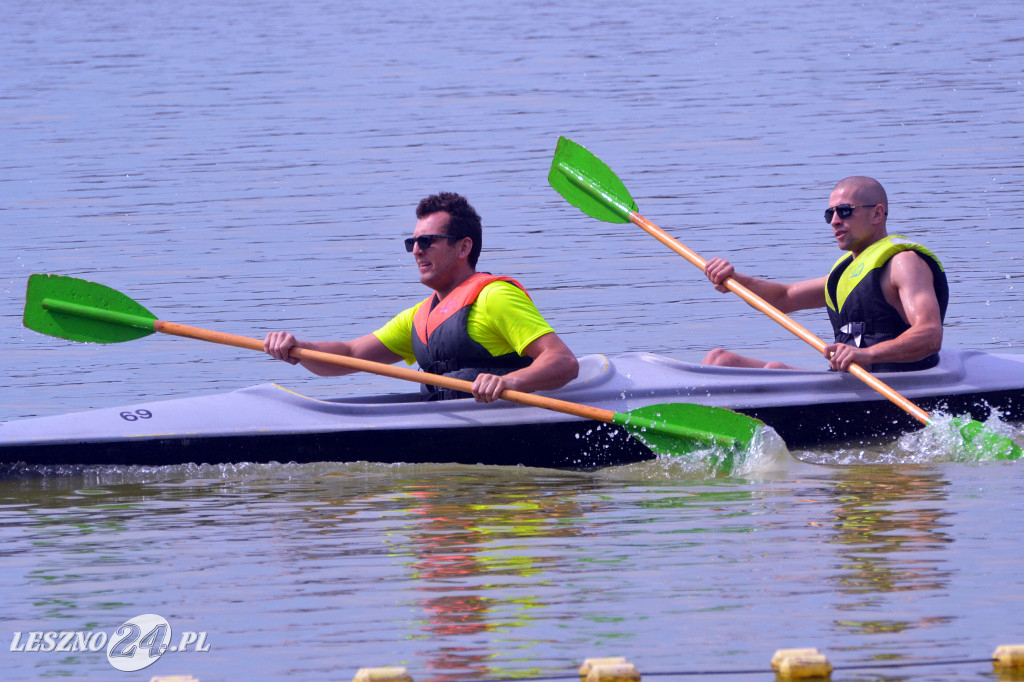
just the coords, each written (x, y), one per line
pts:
(912, 345)
(322, 368)
(548, 371)
(775, 293)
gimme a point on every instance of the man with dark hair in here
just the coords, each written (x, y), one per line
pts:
(886, 299)
(463, 220)
(475, 326)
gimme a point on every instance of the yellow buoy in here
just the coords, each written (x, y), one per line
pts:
(589, 663)
(809, 666)
(1009, 656)
(783, 654)
(382, 675)
(613, 672)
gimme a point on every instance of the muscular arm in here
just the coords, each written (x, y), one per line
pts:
(553, 366)
(908, 286)
(786, 297)
(369, 347)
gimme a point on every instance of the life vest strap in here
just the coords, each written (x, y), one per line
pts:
(510, 361)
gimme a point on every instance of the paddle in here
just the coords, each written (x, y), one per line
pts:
(589, 184)
(79, 310)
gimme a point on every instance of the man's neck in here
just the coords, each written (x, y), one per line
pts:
(856, 254)
(462, 277)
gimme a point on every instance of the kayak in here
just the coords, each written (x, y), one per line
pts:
(270, 423)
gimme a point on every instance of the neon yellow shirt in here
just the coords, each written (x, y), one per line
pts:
(503, 320)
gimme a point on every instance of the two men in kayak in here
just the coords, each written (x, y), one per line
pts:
(886, 299)
(475, 326)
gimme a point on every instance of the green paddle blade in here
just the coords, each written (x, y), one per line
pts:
(984, 443)
(681, 428)
(77, 310)
(588, 184)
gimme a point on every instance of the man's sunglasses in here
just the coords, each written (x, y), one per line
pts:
(425, 241)
(844, 211)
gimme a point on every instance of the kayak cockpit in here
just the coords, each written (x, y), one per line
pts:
(594, 370)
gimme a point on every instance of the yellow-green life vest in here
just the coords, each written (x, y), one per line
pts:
(857, 308)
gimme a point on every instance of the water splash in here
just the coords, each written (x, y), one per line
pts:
(941, 441)
(765, 455)
(944, 439)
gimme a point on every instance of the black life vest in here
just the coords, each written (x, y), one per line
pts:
(857, 308)
(441, 341)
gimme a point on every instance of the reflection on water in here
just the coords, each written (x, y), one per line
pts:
(469, 564)
(891, 525)
(899, 557)
(482, 572)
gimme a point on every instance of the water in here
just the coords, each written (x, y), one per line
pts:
(253, 166)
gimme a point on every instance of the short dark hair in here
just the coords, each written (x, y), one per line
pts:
(463, 220)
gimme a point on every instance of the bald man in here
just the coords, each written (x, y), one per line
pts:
(886, 298)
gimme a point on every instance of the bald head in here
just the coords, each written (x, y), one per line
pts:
(864, 191)
(857, 213)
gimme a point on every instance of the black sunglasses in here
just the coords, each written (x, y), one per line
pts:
(844, 211)
(425, 241)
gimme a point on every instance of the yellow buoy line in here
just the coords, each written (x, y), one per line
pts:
(788, 664)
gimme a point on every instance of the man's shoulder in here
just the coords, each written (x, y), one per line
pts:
(503, 302)
(502, 288)
(894, 244)
(908, 261)
(907, 273)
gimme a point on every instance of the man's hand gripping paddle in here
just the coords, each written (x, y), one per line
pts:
(78, 310)
(589, 184)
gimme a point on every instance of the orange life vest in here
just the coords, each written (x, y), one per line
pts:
(441, 341)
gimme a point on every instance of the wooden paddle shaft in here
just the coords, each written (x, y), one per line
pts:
(771, 311)
(531, 399)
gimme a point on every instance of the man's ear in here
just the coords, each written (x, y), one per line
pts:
(879, 213)
(465, 247)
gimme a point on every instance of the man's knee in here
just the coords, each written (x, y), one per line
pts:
(719, 357)
(724, 358)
